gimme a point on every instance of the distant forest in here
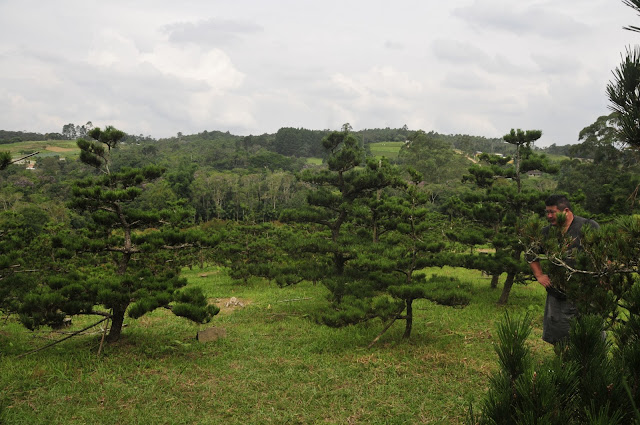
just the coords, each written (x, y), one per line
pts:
(7, 137)
(297, 142)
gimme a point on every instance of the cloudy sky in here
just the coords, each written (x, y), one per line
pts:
(160, 67)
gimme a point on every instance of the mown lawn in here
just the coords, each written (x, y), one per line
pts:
(387, 149)
(275, 365)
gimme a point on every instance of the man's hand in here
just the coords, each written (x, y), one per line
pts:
(544, 280)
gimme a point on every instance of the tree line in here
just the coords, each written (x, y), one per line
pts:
(364, 227)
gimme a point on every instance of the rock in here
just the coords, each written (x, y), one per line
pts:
(234, 302)
(211, 334)
(66, 322)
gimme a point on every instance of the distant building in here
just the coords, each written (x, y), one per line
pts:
(534, 173)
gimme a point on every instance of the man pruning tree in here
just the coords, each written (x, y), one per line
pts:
(559, 310)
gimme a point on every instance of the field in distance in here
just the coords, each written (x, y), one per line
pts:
(61, 148)
(387, 149)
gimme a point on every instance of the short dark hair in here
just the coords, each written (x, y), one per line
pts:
(559, 201)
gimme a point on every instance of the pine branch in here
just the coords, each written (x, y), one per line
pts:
(63, 339)
(391, 322)
(100, 313)
(123, 250)
(182, 246)
(572, 270)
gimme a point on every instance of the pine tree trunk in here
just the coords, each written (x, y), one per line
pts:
(409, 317)
(117, 320)
(506, 290)
(494, 281)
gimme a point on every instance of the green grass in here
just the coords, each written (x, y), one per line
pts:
(274, 366)
(387, 149)
(555, 157)
(314, 161)
(62, 148)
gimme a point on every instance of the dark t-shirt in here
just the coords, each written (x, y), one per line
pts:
(558, 310)
(575, 232)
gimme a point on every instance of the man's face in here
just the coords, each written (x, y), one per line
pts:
(552, 214)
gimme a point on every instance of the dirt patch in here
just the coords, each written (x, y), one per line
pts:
(58, 149)
(228, 305)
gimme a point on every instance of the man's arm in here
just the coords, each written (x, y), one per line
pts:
(542, 278)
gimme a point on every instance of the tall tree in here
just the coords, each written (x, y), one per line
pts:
(69, 131)
(522, 140)
(413, 240)
(337, 187)
(331, 203)
(124, 259)
(377, 243)
(599, 141)
(503, 207)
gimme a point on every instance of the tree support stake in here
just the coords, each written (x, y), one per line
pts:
(63, 339)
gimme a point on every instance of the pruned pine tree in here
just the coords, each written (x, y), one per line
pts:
(413, 240)
(125, 259)
(376, 233)
(503, 210)
(331, 207)
(503, 206)
(524, 159)
(335, 189)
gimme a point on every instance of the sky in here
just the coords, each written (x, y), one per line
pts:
(156, 68)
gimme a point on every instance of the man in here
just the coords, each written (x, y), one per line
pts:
(559, 310)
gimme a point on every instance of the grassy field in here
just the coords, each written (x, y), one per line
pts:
(62, 148)
(314, 161)
(273, 366)
(388, 149)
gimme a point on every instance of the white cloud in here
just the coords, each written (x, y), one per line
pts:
(212, 66)
(190, 62)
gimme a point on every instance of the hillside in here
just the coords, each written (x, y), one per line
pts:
(46, 148)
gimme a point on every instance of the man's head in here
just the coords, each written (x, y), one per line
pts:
(556, 204)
